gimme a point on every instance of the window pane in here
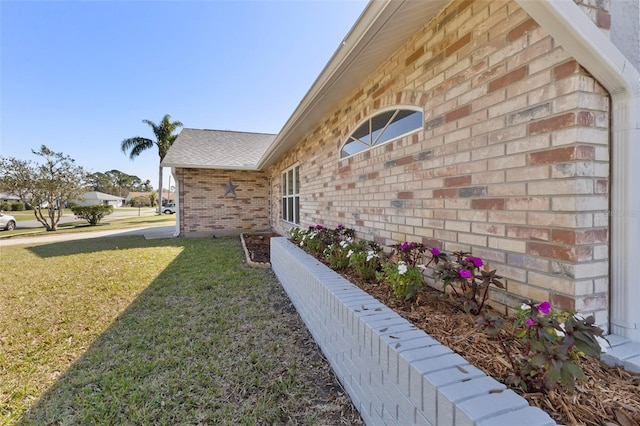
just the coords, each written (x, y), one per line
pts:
(290, 182)
(296, 188)
(290, 209)
(296, 210)
(284, 208)
(406, 121)
(351, 148)
(284, 184)
(362, 133)
(379, 122)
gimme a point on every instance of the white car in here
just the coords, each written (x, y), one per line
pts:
(169, 208)
(7, 222)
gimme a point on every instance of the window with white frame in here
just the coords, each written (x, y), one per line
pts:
(381, 128)
(291, 195)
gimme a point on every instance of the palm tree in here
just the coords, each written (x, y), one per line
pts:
(164, 140)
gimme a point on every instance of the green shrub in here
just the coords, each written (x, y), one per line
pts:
(364, 259)
(405, 281)
(5, 206)
(17, 207)
(93, 214)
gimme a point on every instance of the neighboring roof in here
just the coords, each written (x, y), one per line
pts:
(100, 196)
(5, 196)
(217, 149)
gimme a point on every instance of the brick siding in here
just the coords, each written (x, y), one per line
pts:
(512, 162)
(205, 209)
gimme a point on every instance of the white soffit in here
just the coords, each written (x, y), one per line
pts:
(383, 28)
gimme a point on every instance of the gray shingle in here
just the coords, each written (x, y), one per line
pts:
(217, 149)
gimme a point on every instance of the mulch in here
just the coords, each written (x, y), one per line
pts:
(610, 396)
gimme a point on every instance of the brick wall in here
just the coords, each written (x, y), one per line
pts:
(205, 209)
(512, 164)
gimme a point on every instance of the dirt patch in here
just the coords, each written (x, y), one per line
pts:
(258, 246)
(611, 395)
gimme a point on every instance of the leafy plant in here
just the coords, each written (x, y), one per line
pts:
(405, 281)
(337, 254)
(553, 341)
(364, 259)
(92, 214)
(468, 278)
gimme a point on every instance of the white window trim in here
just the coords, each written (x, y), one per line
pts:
(295, 194)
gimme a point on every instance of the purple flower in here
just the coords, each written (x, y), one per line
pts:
(475, 260)
(340, 226)
(435, 252)
(530, 322)
(404, 246)
(464, 273)
(544, 307)
(319, 226)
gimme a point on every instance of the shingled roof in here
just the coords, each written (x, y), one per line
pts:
(217, 149)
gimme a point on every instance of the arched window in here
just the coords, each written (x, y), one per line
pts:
(382, 128)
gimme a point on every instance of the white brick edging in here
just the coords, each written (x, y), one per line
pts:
(394, 373)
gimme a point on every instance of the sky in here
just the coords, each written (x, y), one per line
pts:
(80, 76)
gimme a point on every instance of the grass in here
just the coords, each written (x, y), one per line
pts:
(107, 223)
(122, 330)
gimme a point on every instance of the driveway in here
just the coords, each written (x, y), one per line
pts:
(149, 232)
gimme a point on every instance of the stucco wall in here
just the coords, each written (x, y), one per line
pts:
(625, 31)
(512, 164)
(206, 210)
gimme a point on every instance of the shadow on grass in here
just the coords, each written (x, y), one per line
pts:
(209, 341)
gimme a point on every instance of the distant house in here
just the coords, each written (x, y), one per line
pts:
(142, 197)
(8, 198)
(93, 198)
(506, 128)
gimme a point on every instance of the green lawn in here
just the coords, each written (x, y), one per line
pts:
(121, 330)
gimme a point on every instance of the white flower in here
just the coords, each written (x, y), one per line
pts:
(423, 267)
(350, 253)
(371, 254)
(301, 243)
(525, 307)
(344, 244)
(402, 268)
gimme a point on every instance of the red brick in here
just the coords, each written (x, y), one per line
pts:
(565, 70)
(562, 155)
(487, 204)
(553, 123)
(457, 113)
(457, 181)
(445, 193)
(520, 30)
(507, 79)
(373, 175)
(603, 20)
(404, 160)
(586, 118)
(551, 251)
(574, 237)
(563, 302)
(414, 56)
(465, 39)
(405, 195)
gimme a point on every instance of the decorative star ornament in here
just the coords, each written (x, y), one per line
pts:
(229, 188)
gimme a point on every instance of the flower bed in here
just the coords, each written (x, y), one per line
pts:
(607, 394)
(393, 372)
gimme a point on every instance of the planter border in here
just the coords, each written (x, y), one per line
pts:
(394, 372)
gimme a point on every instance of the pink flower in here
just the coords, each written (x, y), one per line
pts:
(530, 322)
(477, 262)
(435, 252)
(464, 273)
(544, 307)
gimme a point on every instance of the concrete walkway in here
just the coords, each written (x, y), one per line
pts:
(149, 232)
